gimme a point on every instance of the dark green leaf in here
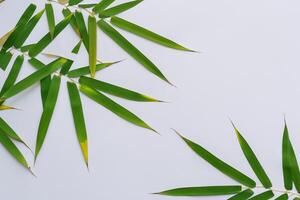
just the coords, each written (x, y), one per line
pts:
(26, 48)
(244, 195)
(130, 49)
(118, 9)
(66, 67)
(102, 5)
(263, 196)
(26, 14)
(82, 29)
(5, 58)
(92, 31)
(6, 36)
(66, 12)
(286, 159)
(75, 50)
(87, 5)
(74, 2)
(294, 167)
(283, 197)
(50, 18)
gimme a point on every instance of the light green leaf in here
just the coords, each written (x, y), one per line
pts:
(102, 5)
(78, 118)
(74, 2)
(34, 77)
(92, 30)
(46, 40)
(118, 9)
(283, 197)
(76, 49)
(113, 106)
(47, 114)
(286, 159)
(115, 90)
(82, 29)
(203, 191)
(244, 195)
(252, 160)
(66, 67)
(5, 58)
(50, 18)
(6, 36)
(219, 164)
(130, 49)
(147, 34)
(263, 196)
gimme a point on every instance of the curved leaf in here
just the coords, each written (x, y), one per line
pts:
(244, 195)
(6, 36)
(102, 5)
(118, 9)
(92, 31)
(50, 18)
(283, 197)
(263, 196)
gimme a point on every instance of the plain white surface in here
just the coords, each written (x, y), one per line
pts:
(248, 70)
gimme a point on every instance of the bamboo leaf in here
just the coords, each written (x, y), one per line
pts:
(26, 48)
(296, 198)
(50, 18)
(92, 31)
(86, 70)
(87, 5)
(78, 118)
(294, 167)
(244, 195)
(47, 114)
(130, 49)
(21, 38)
(5, 107)
(219, 164)
(202, 191)
(6, 36)
(66, 67)
(115, 90)
(102, 5)
(113, 106)
(252, 160)
(118, 9)
(46, 40)
(263, 196)
(82, 29)
(66, 12)
(5, 58)
(34, 77)
(76, 49)
(74, 2)
(13, 74)
(283, 197)
(147, 34)
(286, 159)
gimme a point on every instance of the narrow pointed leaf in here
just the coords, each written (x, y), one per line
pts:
(252, 160)
(86, 70)
(113, 106)
(219, 164)
(92, 31)
(87, 5)
(13, 74)
(78, 118)
(47, 114)
(46, 40)
(26, 14)
(145, 33)
(115, 90)
(130, 49)
(6, 36)
(295, 172)
(263, 196)
(50, 18)
(118, 9)
(34, 77)
(66, 67)
(5, 58)
(76, 49)
(202, 191)
(283, 197)
(74, 2)
(26, 48)
(286, 159)
(66, 12)
(244, 195)
(102, 5)
(5, 107)
(82, 29)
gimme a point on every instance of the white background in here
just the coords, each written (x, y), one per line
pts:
(248, 71)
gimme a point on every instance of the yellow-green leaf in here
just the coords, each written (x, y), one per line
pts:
(76, 49)
(92, 30)
(5, 107)
(118, 9)
(50, 18)
(66, 12)
(82, 29)
(102, 5)
(5, 36)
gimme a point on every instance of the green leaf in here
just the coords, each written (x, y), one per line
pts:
(13, 74)
(92, 31)
(286, 159)
(263, 196)
(130, 49)
(47, 114)
(244, 195)
(296, 198)
(115, 90)
(252, 160)
(50, 18)
(66, 67)
(82, 29)
(118, 9)
(76, 49)
(203, 191)
(26, 48)
(24, 34)
(87, 5)
(74, 2)
(86, 70)
(66, 12)
(46, 40)
(34, 77)
(283, 197)
(102, 5)
(113, 106)
(294, 167)
(5, 58)
(26, 14)
(147, 34)
(219, 164)
(78, 118)
(37, 64)
(6, 36)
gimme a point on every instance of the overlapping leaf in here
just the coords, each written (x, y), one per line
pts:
(118, 9)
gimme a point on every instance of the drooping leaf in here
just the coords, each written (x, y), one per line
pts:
(66, 12)
(203, 191)
(286, 159)
(74, 2)
(113, 106)
(76, 49)
(147, 34)
(34, 77)
(130, 49)
(115, 90)
(46, 40)
(92, 31)
(118, 9)
(78, 118)
(263, 196)
(82, 29)
(102, 5)
(6, 36)
(86, 70)
(13, 74)
(252, 160)
(244, 195)
(5, 58)
(66, 67)
(50, 18)
(283, 197)
(47, 113)
(87, 5)
(21, 38)
(219, 164)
